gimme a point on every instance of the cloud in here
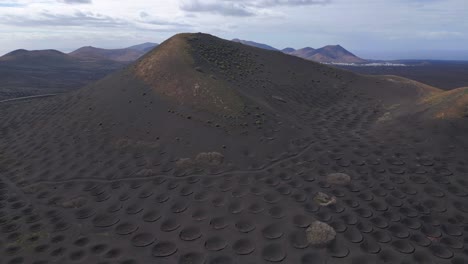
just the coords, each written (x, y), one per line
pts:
(242, 8)
(10, 4)
(146, 18)
(434, 35)
(226, 8)
(272, 3)
(70, 19)
(78, 18)
(74, 2)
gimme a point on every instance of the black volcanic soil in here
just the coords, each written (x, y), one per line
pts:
(208, 151)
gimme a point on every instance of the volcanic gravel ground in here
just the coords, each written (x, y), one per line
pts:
(74, 189)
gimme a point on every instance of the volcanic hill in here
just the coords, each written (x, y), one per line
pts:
(210, 151)
(144, 47)
(38, 72)
(327, 54)
(51, 57)
(122, 55)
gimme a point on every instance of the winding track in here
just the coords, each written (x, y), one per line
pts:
(27, 98)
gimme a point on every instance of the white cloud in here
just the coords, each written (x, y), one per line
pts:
(225, 8)
(242, 8)
(75, 2)
(441, 34)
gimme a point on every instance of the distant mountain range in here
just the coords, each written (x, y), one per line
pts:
(145, 47)
(122, 55)
(51, 71)
(38, 58)
(327, 54)
(28, 73)
(92, 53)
(254, 44)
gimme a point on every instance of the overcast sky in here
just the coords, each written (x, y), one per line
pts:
(369, 28)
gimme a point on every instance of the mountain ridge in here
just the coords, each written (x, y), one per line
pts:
(93, 53)
(254, 44)
(144, 47)
(28, 73)
(24, 55)
(125, 55)
(326, 54)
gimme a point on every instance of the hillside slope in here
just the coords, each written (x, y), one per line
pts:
(450, 105)
(210, 151)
